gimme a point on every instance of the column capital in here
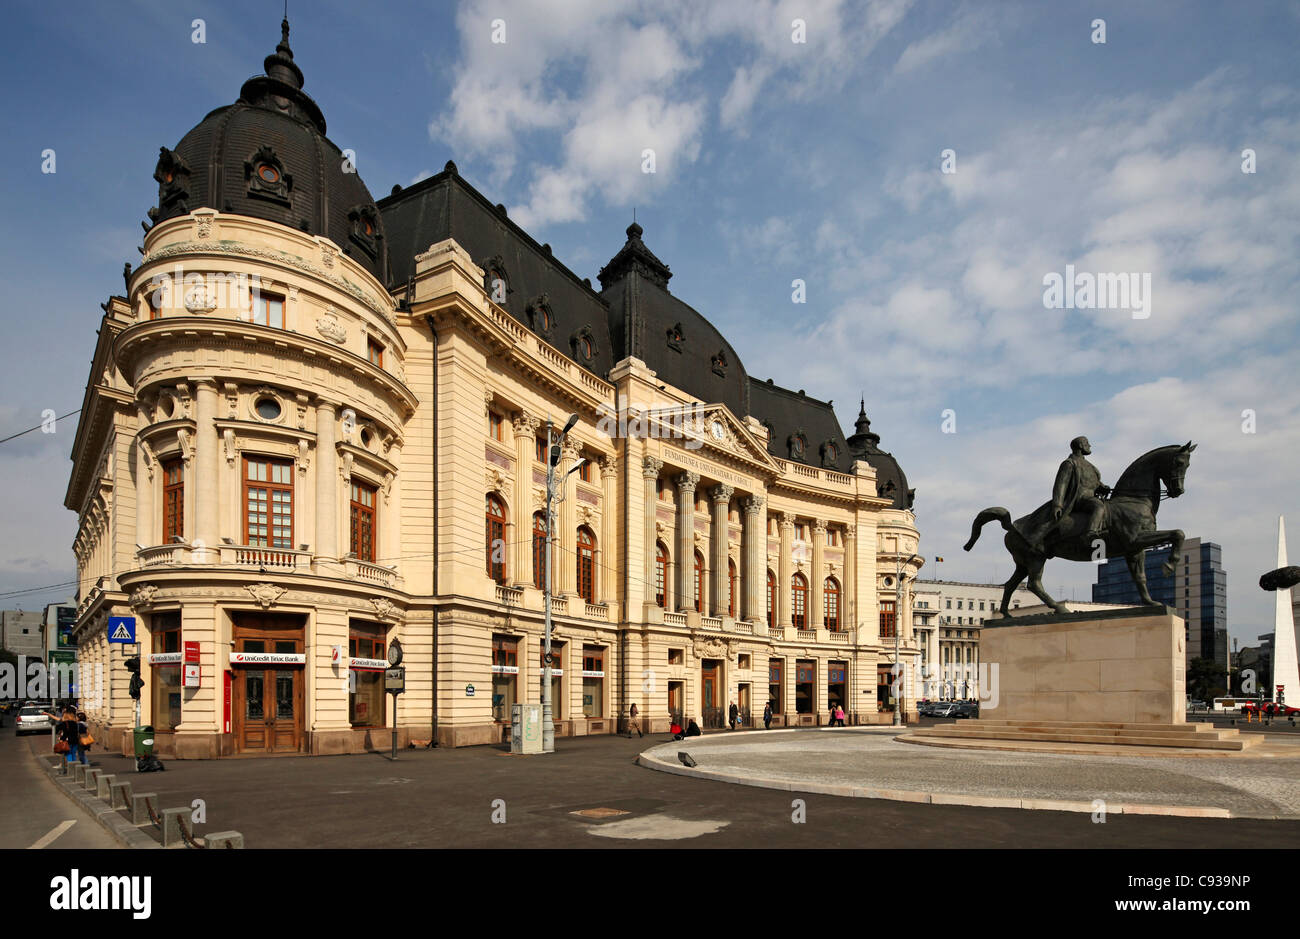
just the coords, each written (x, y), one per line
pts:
(752, 504)
(571, 449)
(687, 481)
(608, 466)
(650, 467)
(787, 519)
(819, 526)
(850, 532)
(525, 424)
(722, 493)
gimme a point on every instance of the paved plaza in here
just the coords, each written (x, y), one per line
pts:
(871, 763)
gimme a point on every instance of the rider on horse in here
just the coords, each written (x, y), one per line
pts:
(1078, 486)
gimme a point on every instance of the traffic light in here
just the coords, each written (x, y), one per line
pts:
(133, 666)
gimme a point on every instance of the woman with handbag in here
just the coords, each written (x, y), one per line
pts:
(84, 739)
(68, 739)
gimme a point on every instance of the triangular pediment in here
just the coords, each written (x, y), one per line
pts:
(709, 428)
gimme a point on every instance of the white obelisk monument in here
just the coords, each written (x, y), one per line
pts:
(1286, 676)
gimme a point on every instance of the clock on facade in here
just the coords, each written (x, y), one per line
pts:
(717, 430)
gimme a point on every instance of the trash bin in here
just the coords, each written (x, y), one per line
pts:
(143, 741)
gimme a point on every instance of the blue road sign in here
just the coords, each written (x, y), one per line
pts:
(121, 629)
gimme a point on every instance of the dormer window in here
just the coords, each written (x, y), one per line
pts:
(583, 343)
(676, 338)
(798, 445)
(266, 177)
(364, 227)
(719, 363)
(496, 282)
(541, 318)
(173, 178)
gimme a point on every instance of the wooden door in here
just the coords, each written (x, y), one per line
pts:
(267, 699)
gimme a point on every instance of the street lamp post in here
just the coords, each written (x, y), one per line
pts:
(552, 458)
(898, 617)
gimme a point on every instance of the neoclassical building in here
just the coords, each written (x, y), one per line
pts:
(316, 423)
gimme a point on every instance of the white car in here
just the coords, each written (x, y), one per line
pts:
(32, 720)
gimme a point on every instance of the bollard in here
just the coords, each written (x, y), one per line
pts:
(224, 839)
(104, 785)
(88, 777)
(171, 827)
(140, 811)
(121, 794)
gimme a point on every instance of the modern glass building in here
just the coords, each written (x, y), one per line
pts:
(1197, 591)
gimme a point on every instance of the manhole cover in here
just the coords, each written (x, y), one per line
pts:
(599, 813)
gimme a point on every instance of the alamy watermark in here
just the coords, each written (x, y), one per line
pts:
(672, 422)
(1102, 291)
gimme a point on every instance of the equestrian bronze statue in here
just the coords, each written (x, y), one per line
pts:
(1088, 521)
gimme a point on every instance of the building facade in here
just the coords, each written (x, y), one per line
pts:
(23, 633)
(954, 612)
(316, 423)
(1197, 591)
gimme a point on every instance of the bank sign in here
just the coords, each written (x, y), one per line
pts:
(267, 658)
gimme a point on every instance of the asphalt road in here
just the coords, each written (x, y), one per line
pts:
(483, 797)
(32, 811)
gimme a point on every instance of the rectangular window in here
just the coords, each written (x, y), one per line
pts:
(584, 471)
(495, 428)
(541, 450)
(167, 678)
(774, 684)
(949, 604)
(173, 501)
(742, 662)
(593, 681)
(363, 521)
(505, 676)
(887, 619)
(268, 310)
(268, 502)
(366, 685)
(805, 679)
(675, 656)
(375, 353)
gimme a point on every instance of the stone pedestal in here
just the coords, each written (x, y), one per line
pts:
(1123, 665)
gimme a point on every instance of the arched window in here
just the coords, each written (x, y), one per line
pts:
(832, 605)
(661, 575)
(731, 587)
(771, 598)
(699, 582)
(799, 601)
(539, 550)
(496, 539)
(587, 565)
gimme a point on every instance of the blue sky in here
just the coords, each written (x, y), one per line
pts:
(775, 160)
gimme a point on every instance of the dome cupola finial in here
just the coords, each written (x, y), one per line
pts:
(279, 64)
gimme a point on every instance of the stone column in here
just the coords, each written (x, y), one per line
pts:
(327, 485)
(817, 578)
(754, 572)
(566, 541)
(390, 523)
(719, 592)
(650, 468)
(784, 572)
(525, 427)
(607, 551)
(849, 599)
(683, 588)
(146, 521)
(207, 461)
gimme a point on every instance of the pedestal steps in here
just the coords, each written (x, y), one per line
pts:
(1192, 736)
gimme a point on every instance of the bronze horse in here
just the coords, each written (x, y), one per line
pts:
(1130, 526)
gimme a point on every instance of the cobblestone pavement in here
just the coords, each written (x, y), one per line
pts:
(1261, 788)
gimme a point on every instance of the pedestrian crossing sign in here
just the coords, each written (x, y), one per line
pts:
(121, 629)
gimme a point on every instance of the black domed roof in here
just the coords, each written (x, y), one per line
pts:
(891, 481)
(267, 156)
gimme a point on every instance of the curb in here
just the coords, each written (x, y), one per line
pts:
(126, 834)
(1124, 750)
(932, 798)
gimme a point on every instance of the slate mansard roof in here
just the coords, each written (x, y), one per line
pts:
(267, 156)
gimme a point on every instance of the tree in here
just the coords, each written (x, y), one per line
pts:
(1205, 679)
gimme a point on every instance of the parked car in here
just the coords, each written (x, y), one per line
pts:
(944, 709)
(1269, 708)
(32, 720)
(1196, 704)
(965, 709)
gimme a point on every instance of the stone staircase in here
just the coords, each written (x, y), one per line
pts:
(1189, 736)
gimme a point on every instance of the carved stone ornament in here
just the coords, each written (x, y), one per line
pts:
(385, 609)
(327, 254)
(187, 448)
(142, 596)
(713, 648)
(329, 326)
(199, 299)
(203, 224)
(265, 594)
(303, 459)
(149, 458)
(231, 445)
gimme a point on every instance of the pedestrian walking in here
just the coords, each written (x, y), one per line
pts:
(633, 721)
(733, 713)
(767, 716)
(84, 738)
(839, 714)
(69, 741)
